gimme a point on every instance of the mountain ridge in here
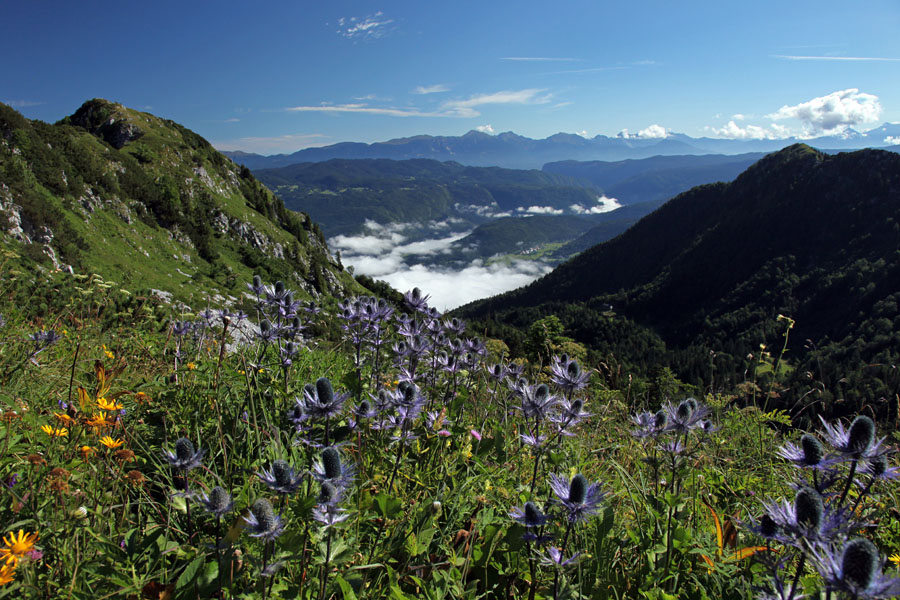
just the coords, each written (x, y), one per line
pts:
(512, 150)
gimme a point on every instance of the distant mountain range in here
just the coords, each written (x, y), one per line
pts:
(700, 282)
(518, 152)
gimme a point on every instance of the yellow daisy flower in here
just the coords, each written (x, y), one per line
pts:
(86, 452)
(100, 421)
(55, 432)
(895, 558)
(7, 573)
(111, 443)
(104, 404)
(16, 546)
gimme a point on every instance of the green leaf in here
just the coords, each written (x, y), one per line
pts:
(346, 589)
(191, 573)
(387, 506)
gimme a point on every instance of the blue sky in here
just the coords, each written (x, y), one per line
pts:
(279, 76)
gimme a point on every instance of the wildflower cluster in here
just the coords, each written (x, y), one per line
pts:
(830, 506)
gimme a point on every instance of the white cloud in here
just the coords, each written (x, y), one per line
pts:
(834, 112)
(541, 210)
(371, 27)
(485, 128)
(839, 58)
(583, 133)
(751, 132)
(893, 140)
(453, 288)
(652, 132)
(233, 120)
(273, 145)
(738, 117)
(366, 109)
(604, 204)
(466, 108)
(431, 89)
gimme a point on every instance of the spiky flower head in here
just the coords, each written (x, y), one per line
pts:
(856, 442)
(217, 502)
(281, 477)
(262, 522)
(861, 434)
(579, 497)
(416, 301)
(330, 468)
(528, 515)
(810, 454)
(328, 494)
(809, 508)
(185, 457)
(856, 571)
(320, 401)
(566, 373)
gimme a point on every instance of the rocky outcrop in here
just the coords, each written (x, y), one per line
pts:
(247, 234)
(99, 118)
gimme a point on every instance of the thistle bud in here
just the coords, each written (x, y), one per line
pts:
(184, 449)
(813, 452)
(257, 282)
(324, 390)
(331, 462)
(282, 472)
(279, 287)
(767, 526)
(809, 508)
(660, 419)
(328, 494)
(861, 434)
(578, 489)
(859, 562)
(573, 370)
(219, 499)
(542, 392)
(264, 513)
(684, 410)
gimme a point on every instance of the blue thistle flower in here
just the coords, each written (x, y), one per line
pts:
(580, 498)
(217, 502)
(807, 519)
(528, 515)
(810, 454)
(415, 300)
(185, 457)
(262, 522)
(854, 443)
(329, 467)
(555, 558)
(856, 571)
(320, 402)
(281, 477)
(567, 374)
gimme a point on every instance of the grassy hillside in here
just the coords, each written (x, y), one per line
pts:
(148, 203)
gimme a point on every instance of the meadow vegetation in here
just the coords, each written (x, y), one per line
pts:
(366, 448)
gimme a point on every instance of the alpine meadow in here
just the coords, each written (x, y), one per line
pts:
(513, 301)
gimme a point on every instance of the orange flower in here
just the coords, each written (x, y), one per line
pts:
(7, 573)
(86, 452)
(111, 443)
(15, 547)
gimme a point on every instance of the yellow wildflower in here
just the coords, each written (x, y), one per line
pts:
(111, 443)
(86, 452)
(104, 404)
(16, 546)
(895, 558)
(55, 432)
(101, 421)
(191, 366)
(7, 573)
(63, 418)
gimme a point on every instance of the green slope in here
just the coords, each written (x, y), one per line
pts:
(146, 202)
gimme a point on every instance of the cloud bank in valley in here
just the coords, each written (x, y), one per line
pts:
(385, 252)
